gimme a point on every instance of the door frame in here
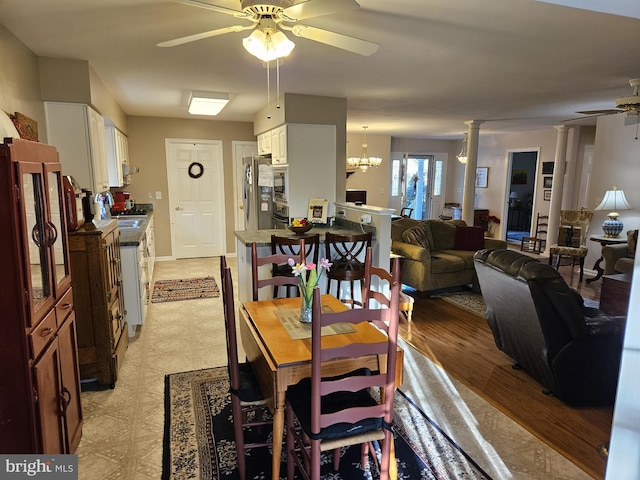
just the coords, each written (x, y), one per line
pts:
(507, 188)
(221, 196)
(239, 149)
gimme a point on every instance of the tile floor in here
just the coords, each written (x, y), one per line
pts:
(123, 429)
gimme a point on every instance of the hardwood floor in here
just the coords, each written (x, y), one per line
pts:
(462, 343)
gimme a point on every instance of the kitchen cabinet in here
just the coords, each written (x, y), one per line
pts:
(77, 131)
(264, 143)
(117, 150)
(96, 272)
(137, 270)
(279, 145)
(40, 410)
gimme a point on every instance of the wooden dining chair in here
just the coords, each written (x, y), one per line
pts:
(377, 280)
(274, 259)
(536, 242)
(329, 413)
(246, 395)
(291, 247)
(346, 254)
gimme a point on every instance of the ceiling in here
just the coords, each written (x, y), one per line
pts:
(516, 64)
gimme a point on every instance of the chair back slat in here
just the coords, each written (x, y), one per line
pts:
(230, 324)
(279, 258)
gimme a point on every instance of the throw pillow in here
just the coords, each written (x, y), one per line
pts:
(416, 235)
(469, 238)
(632, 241)
(443, 234)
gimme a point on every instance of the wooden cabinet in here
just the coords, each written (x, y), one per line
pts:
(478, 217)
(40, 410)
(96, 271)
(117, 146)
(264, 143)
(78, 133)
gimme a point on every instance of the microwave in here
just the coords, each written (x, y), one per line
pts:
(280, 183)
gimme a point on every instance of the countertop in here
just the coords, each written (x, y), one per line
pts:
(129, 237)
(263, 237)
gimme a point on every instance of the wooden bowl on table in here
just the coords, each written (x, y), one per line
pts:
(301, 230)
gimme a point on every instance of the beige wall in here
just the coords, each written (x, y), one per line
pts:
(147, 151)
(19, 80)
(375, 180)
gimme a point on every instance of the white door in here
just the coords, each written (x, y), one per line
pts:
(240, 150)
(196, 197)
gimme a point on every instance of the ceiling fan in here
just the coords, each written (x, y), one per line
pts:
(629, 105)
(271, 16)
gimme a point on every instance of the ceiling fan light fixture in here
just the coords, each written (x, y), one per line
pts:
(268, 46)
(207, 103)
(632, 103)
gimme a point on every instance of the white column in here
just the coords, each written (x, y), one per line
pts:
(558, 185)
(469, 194)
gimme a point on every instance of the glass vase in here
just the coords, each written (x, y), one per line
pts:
(305, 308)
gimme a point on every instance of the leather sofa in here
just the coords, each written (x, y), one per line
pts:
(619, 258)
(438, 254)
(544, 326)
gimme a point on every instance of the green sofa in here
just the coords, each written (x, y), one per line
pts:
(619, 258)
(438, 254)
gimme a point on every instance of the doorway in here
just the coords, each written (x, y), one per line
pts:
(240, 151)
(196, 197)
(521, 194)
(422, 181)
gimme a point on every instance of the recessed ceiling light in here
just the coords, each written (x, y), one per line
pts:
(206, 103)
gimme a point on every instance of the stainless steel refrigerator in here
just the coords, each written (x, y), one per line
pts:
(257, 192)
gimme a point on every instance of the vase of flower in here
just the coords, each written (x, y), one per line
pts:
(308, 277)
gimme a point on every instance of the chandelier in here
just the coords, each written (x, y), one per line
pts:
(365, 161)
(462, 156)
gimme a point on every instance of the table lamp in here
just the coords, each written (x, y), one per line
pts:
(613, 201)
(513, 199)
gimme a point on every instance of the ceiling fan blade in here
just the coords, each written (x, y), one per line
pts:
(203, 35)
(215, 8)
(600, 112)
(351, 44)
(316, 8)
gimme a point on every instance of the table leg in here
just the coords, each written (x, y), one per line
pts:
(393, 465)
(278, 433)
(598, 269)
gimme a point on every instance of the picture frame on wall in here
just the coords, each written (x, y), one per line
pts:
(482, 175)
(547, 195)
(547, 168)
(548, 182)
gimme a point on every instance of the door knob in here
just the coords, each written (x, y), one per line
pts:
(178, 208)
(241, 207)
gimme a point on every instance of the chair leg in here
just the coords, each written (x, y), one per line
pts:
(336, 459)
(581, 267)
(239, 435)
(558, 262)
(551, 259)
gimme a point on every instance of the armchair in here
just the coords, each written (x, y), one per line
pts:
(619, 258)
(544, 326)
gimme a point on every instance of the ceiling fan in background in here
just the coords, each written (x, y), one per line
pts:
(268, 20)
(629, 105)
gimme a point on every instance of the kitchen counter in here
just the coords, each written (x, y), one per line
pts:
(263, 237)
(131, 236)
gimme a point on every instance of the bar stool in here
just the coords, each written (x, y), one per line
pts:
(346, 253)
(291, 246)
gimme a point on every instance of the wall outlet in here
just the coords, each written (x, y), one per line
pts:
(365, 218)
(158, 195)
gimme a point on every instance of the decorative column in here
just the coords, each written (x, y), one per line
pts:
(469, 194)
(558, 185)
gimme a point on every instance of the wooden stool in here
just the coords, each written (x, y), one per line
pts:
(406, 305)
(345, 252)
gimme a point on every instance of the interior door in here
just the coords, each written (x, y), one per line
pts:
(196, 197)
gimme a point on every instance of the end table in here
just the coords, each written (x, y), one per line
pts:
(602, 240)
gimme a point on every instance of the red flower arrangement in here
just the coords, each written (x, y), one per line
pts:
(490, 221)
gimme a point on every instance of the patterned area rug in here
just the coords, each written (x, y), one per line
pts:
(199, 441)
(470, 301)
(184, 289)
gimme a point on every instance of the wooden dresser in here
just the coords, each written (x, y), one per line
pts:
(96, 273)
(40, 410)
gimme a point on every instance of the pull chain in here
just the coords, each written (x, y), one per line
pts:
(278, 82)
(268, 92)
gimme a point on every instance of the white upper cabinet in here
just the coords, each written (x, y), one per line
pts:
(117, 155)
(279, 145)
(264, 143)
(77, 131)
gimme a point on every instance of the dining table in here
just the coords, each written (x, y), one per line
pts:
(278, 347)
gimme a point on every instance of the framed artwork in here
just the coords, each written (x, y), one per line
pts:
(548, 182)
(317, 212)
(482, 175)
(547, 168)
(547, 195)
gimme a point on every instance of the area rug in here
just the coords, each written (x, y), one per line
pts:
(472, 302)
(184, 289)
(199, 442)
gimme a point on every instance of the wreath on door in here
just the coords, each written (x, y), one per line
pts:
(198, 172)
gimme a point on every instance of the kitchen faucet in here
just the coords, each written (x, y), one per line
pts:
(103, 199)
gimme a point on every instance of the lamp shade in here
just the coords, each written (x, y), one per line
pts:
(613, 201)
(462, 156)
(268, 46)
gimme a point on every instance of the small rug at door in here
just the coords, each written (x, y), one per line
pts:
(184, 289)
(470, 301)
(199, 441)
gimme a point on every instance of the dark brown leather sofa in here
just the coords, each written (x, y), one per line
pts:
(543, 325)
